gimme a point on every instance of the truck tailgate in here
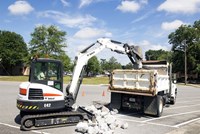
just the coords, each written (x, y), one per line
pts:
(134, 82)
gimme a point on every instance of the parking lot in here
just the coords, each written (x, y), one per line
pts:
(185, 113)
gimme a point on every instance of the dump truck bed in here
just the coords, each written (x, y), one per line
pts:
(141, 82)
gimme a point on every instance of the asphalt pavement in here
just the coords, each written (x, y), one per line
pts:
(181, 118)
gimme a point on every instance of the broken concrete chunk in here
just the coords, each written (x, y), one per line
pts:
(98, 106)
(110, 132)
(112, 126)
(104, 127)
(91, 123)
(92, 130)
(124, 125)
(114, 112)
(99, 119)
(75, 107)
(97, 113)
(104, 114)
(110, 119)
(105, 109)
(82, 127)
(118, 123)
(105, 122)
(91, 108)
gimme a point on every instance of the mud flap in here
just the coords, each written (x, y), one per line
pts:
(116, 100)
(150, 105)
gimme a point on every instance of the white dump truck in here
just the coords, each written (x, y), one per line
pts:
(147, 89)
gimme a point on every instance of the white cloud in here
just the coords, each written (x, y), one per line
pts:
(171, 25)
(20, 8)
(129, 6)
(180, 6)
(88, 33)
(65, 3)
(85, 3)
(146, 45)
(72, 21)
(146, 15)
(76, 45)
(144, 1)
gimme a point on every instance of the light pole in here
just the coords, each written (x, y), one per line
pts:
(185, 51)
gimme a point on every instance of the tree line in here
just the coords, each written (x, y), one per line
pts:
(46, 41)
(185, 43)
(50, 41)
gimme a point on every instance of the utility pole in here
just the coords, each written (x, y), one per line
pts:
(185, 51)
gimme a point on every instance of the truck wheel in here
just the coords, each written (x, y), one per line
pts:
(173, 100)
(159, 105)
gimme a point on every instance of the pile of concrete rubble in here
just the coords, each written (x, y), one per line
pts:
(104, 123)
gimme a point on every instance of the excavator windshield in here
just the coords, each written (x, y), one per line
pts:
(48, 72)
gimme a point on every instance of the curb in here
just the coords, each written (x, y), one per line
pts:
(193, 85)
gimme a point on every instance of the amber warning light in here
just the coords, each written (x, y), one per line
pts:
(22, 91)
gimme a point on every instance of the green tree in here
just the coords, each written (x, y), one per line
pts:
(49, 41)
(186, 36)
(128, 66)
(158, 55)
(113, 64)
(13, 50)
(104, 65)
(93, 66)
(110, 65)
(66, 61)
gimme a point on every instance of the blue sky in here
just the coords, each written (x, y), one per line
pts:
(146, 23)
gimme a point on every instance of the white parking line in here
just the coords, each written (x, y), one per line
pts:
(157, 124)
(185, 98)
(162, 117)
(188, 101)
(181, 107)
(12, 126)
(187, 122)
(8, 125)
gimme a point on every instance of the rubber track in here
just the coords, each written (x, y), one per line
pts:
(50, 115)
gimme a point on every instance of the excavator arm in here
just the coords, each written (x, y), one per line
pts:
(83, 57)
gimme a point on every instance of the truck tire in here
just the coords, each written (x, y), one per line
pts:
(173, 99)
(160, 105)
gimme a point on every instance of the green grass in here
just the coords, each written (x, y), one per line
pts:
(90, 80)
(96, 80)
(14, 78)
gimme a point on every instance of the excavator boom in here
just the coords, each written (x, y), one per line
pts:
(90, 51)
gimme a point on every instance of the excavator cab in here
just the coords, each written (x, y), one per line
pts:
(48, 72)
